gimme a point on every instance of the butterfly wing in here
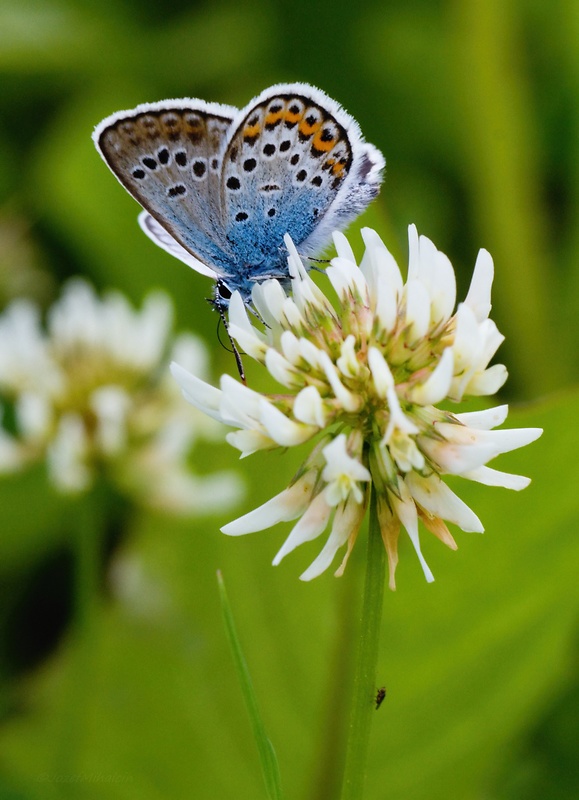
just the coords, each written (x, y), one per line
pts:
(295, 163)
(168, 156)
(165, 241)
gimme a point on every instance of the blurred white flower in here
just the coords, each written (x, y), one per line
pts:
(363, 376)
(91, 393)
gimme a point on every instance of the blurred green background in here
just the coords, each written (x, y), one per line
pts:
(474, 105)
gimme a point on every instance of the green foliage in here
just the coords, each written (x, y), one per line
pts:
(474, 106)
(267, 756)
(470, 663)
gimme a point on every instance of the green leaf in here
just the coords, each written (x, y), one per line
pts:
(267, 756)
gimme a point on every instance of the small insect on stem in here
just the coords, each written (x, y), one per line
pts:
(380, 695)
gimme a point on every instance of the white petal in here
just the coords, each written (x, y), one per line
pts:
(297, 270)
(25, 362)
(304, 290)
(287, 505)
(250, 441)
(486, 419)
(384, 263)
(268, 298)
(491, 339)
(479, 293)
(240, 328)
(308, 296)
(403, 449)
(386, 307)
(347, 279)
(381, 375)
(413, 253)
(398, 419)
(436, 273)
(311, 354)
(111, 404)
(442, 289)
(339, 462)
(282, 429)
(455, 458)
(467, 346)
(200, 394)
(152, 330)
(407, 514)
(502, 440)
(417, 309)
(281, 369)
(350, 402)
(484, 384)
(437, 386)
(384, 280)
(309, 407)
(347, 362)
(311, 525)
(34, 413)
(290, 346)
(466, 449)
(343, 247)
(180, 492)
(347, 519)
(436, 498)
(292, 316)
(66, 455)
(492, 477)
(239, 405)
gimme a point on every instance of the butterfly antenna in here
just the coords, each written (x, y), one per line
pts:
(234, 350)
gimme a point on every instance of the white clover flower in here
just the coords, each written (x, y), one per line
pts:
(92, 394)
(363, 376)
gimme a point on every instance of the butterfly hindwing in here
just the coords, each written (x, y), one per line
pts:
(169, 158)
(291, 157)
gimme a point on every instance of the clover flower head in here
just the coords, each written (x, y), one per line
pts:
(90, 393)
(363, 376)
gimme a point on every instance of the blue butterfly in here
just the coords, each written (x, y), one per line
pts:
(222, 186)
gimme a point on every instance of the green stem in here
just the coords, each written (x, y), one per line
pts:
(364, 689)
(329, 756)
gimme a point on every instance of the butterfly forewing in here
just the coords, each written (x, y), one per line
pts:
(282, 169)
(169, 159)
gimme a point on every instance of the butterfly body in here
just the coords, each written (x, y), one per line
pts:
(221, 186)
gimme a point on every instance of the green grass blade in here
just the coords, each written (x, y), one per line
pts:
(267, 756)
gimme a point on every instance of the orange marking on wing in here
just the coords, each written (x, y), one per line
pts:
(319, 144)
(289, 116)
(250, 131)
(272, 118)
(306, 129)
(338, 167)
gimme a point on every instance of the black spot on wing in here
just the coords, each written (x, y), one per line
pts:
(176, 191)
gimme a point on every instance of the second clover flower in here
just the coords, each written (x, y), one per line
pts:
(363, 377)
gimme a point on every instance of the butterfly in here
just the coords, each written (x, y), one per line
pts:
(221, 186)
